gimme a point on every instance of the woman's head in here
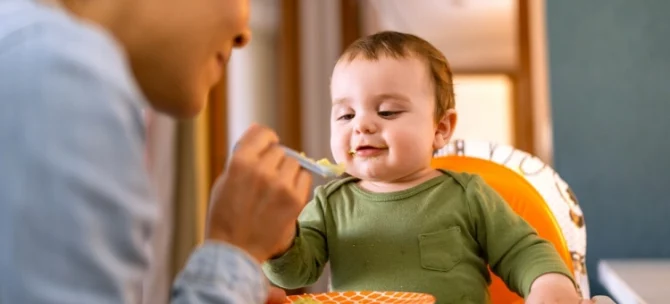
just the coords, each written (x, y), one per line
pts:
(177, 48)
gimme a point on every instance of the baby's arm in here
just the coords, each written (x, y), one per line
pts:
(302, 264)
(512, 247)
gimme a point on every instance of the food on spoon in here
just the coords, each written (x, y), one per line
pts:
(337, 168)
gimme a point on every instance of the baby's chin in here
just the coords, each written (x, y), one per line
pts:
(378, 177)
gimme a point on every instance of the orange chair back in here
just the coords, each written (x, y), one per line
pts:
(524, 199)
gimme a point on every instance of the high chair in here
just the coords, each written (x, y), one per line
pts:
(534, 191)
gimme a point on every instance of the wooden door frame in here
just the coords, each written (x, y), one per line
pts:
(524, 119)
(289, 112)
(350, 22)
(218, 128)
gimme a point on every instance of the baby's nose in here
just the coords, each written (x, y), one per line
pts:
(365, 126)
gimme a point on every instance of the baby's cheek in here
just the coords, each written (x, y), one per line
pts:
(408, 138)
(337, 141)
(340, 152)
(413, 144)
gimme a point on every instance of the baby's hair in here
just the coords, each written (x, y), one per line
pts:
(402, 45)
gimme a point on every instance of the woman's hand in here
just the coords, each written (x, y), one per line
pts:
(276, 296)
(256, 201)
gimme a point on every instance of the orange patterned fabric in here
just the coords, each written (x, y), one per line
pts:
(524, 200)
(366, 297)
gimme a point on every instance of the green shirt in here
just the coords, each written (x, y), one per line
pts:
(438, 238)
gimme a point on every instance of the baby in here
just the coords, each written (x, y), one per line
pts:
(395, 223)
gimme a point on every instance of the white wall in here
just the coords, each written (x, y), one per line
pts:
(484, 105)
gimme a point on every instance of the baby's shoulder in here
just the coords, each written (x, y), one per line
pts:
(325, 191)
(463, 180)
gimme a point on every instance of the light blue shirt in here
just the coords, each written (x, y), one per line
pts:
(76, 211)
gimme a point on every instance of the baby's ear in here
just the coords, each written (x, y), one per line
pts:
(445, 129)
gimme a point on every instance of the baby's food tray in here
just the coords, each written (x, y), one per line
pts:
(362, 297)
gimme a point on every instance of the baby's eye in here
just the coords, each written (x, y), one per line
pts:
(388, 114)
(346, 117)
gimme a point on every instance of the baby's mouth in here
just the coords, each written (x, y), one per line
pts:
(368, 151)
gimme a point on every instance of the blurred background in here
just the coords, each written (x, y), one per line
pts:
(582, 85)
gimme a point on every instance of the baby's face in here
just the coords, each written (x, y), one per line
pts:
(382, 118)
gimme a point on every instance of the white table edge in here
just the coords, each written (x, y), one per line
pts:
(617, 287)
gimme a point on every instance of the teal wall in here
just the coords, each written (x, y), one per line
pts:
(610, 95)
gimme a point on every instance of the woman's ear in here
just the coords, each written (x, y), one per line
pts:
(445, 129)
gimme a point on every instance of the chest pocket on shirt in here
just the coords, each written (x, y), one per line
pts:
(441, 250)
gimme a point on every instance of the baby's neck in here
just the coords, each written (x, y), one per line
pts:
(403, 183)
